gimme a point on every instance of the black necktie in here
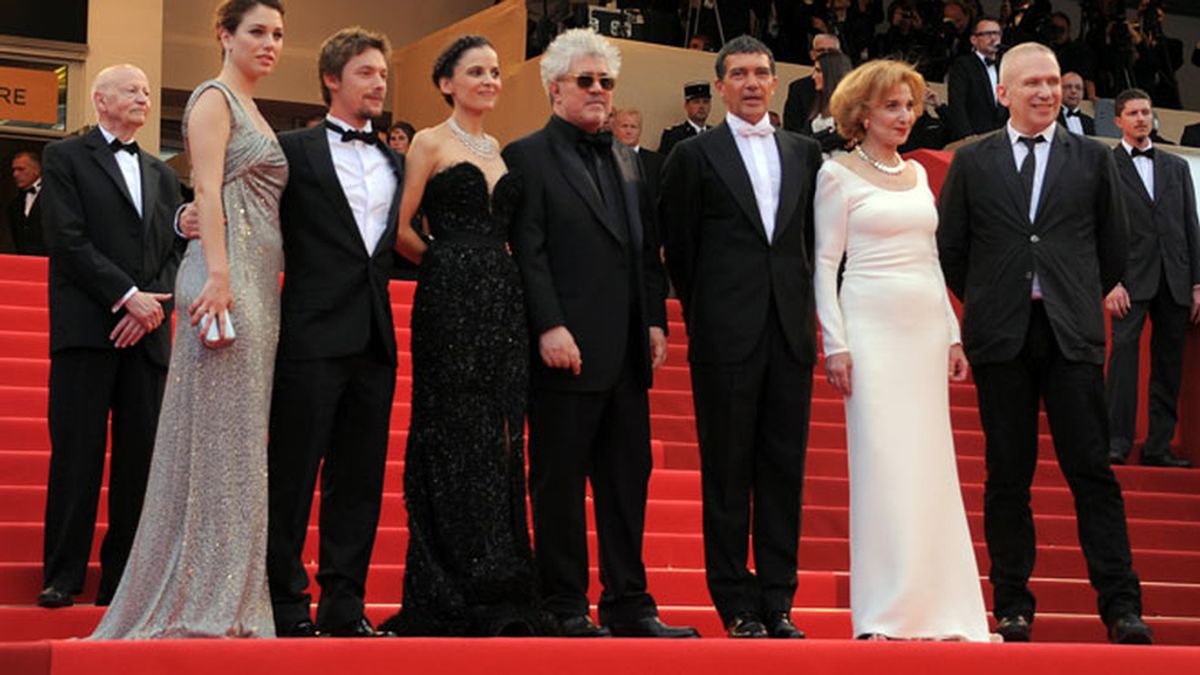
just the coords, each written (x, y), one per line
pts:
(1029, 167)
(117, 146)
(348, 135)
(1147, 153)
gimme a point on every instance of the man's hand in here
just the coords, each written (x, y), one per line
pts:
(127, 332)
(1118, 302)
(1196, 305)
(559, 350)
(958, 363)
(189, 221)
(658, 347)
(837, 370)
(147, 308)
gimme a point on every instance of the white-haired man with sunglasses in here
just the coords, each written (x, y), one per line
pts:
(584, 240)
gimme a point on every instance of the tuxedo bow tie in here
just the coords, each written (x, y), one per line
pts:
(990, 63)
(1071, 113)
(1148, 153)
(756, 130)
(349, 135)
(117, 146)
(601, 140)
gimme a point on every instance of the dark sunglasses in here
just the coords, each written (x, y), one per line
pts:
(586, 80)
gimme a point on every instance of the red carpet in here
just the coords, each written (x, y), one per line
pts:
(1163, 507)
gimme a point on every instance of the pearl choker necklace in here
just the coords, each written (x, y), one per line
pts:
(880, 166)
(481, 146)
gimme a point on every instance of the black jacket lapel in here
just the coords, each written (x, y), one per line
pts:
(1060, 146)
(789, 175)
(1131, 177)
(576, 174)
(316, 147)
(722, 152)
(104, 157)
(1004, 165)
(149, 187)
(629, 184)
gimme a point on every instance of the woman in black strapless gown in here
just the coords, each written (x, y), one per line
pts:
(469, 568)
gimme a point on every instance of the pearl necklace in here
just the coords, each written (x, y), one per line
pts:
(481, 146)
(880, 166)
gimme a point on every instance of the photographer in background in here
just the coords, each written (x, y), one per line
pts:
(1074, 56)
(908, 39)
(1158, 56)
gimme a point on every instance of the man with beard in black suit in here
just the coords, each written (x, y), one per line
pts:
(697, 103)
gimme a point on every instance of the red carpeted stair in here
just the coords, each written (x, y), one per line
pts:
(1164, 522)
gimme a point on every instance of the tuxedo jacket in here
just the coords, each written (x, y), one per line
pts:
(1077, 245)
(652, 166)
(27, 235)
(601, 280)
(1164, 236)
(971, 106)
(673, 135)
(796, 110)
(1191, 135)
(100, 247)
(1088, 122)
(335, 293)
(728, 276)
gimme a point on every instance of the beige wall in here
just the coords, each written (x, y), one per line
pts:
(123, 31)
(191, 55)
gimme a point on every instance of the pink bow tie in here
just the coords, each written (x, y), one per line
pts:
(750, 131)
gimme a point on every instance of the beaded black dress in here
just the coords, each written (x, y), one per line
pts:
(469, 568)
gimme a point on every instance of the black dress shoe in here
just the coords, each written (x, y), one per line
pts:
(581, 626)
(1014, 628)
(746, 626)
(52, 597)
(356, 629)
(779, 626)
(301, 629)
(651, 627)
(1129, 629)
(1165, 459)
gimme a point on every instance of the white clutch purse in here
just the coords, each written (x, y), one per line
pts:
(210, 334)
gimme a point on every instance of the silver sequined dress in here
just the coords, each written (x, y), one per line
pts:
(198, 564)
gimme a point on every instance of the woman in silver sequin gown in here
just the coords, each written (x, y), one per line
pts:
(198, 564)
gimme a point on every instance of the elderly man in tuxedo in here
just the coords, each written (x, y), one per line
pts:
(1161, 281)
(973, 106)
(24, 211)
(584, 240)
(107, 207)
(1033, 234)
(737, 208)
(1074, 119)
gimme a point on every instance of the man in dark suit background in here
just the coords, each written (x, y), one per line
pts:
(584, 240)
(971, 84)
(803, 90)
(736, 210)
(1161, 281)
(1070, 116)
(697, 103)
(627, 128)
(335, 372)
(107, 210)
(1191, 136)
(1032, 236)
(25, 211)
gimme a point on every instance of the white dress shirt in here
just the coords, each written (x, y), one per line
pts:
(1041, 153)
(131, 170)
(1144, 166)
(367, 180)
(31, 196)
(993, 74)
(760, 156)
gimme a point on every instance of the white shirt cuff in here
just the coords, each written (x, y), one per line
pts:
(124, 299)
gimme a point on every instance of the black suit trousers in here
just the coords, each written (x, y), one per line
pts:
(1073, 393)
(1170, 322)
(603, 437)
(85, 384)
(752, 422)
(328, 415)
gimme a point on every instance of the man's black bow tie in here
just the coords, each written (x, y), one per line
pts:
(601, 140)
(130, 147)
(368, 137)
(989, 62)
(1136, 152)
(1071, 113)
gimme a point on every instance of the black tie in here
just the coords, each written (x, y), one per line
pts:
(1029, 167)
(1147, 153)
(601, 140)
(117, 146)
(1072, 113)
(352, 135)
(989, 62)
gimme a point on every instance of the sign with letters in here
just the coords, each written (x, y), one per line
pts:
(28, 95)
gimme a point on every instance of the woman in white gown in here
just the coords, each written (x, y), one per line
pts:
(891, 341)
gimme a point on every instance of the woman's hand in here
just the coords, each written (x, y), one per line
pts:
(837, 370)
(959, 368)
(214, 299)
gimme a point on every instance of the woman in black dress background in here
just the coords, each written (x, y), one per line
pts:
(469, 569)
